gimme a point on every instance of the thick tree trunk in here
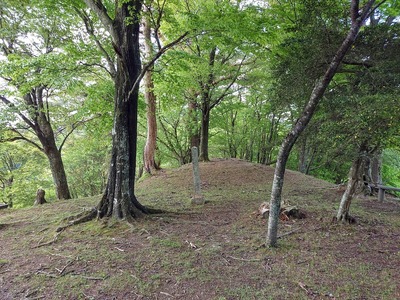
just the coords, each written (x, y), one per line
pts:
(358, 19)
(149, 162)
(119, 199)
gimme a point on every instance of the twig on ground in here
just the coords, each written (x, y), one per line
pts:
(166, 294)
(90, 277)
(244, 259)
(288, 233)
(46, 274)
(227, 261)
(63, 269)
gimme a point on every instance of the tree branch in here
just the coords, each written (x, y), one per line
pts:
(20, 137)
(75, 126)
(12, 105)
(153, 60)
(90, 30)
(101, 11)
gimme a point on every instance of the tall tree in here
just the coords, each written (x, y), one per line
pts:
(358, 16)
(123, 24)
(29, 41)
(123, 27)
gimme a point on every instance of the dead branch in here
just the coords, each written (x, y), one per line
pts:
(244, 259)
(63, 269)
(47, 274)
(90, 277)
(288, 233)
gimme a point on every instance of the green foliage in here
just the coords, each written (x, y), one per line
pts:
(30, 173)
(391, 167)
(86, 162)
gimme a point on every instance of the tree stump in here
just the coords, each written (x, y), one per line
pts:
(40, 197)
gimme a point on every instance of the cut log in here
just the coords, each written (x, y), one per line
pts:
(40, 197)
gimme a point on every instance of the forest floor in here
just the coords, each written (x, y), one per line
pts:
(215, 251)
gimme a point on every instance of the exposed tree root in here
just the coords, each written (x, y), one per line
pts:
(87, 216)
(48, 243)
(80, 218)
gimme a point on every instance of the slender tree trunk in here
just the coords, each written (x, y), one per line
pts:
(149, 162)
(303, 156)
(354, 179)
(358, 19)
(192, 126)
(206, 107)
(376, 166)
(205, 123)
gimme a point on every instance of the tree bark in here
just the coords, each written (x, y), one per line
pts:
(357, 19)
(205, 124)
(376, 167)
(206, 107)
(119, 200)
(149, 162)
(354, 179)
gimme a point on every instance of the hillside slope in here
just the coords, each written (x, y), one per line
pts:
(213, 251)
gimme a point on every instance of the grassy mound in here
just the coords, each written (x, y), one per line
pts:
(213, 251)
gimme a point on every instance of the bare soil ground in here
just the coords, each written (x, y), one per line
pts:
(213, 251)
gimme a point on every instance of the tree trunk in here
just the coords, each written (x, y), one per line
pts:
(376, 166)
(43, 130)
(149, 162)
(119, 199)
(205, 123)
(57, 171)
(206, 107)
(358, 19)
(192, 126)
(354, 178)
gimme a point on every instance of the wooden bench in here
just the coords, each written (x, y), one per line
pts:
(382, 189)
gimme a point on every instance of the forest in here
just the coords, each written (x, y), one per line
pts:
(99, 98)
(230, 77)
(96, 94)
